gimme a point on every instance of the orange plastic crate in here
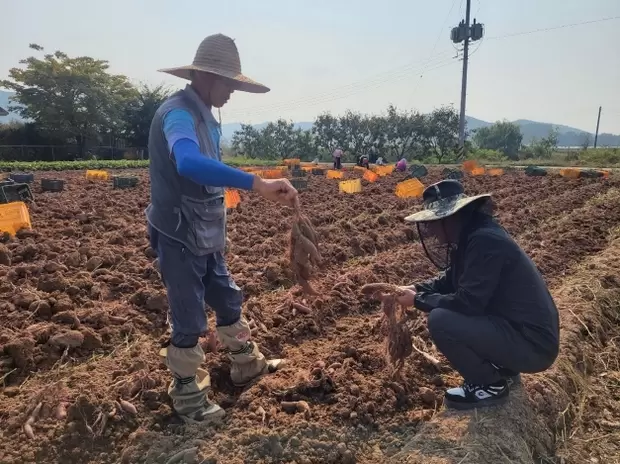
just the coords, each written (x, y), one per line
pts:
(496, 172)
(350, 186)
(384, 170)
(231, 198)
(411, 188)
(94, 174)
(291, 161)
(331, 174)
(570, 173)
(13, 217)
(477, 171)
(271, 174)
(470, 165)
(370, 176)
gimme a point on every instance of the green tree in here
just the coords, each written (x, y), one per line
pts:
(442, 133)
(544, 147)
(139, 113)
(404, 133)
(328, 132)
(503, 136)
(248, 142)
(304, 146)
(70, 98)
(278, 139)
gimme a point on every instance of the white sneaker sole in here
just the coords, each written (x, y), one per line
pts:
(459, 406)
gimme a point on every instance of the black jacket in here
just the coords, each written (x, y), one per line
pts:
(489, 275)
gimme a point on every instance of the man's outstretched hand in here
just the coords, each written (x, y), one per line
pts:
(278, 190)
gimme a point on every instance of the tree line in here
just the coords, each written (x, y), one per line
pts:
(393, 135)
(77, 101)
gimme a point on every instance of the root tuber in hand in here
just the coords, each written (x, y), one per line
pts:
(304, 251)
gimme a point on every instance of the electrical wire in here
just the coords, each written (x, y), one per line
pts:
(563, 26)
(340, 96)
(391, 75)
(350, 89)
(441, 31)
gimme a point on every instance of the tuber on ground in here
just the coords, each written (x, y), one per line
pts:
(128, 407)
(31, 420)
(399, 343)
(304, 250)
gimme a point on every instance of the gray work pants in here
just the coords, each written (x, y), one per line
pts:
(472, 343)
(191, 281)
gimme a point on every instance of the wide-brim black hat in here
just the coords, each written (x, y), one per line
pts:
(442, 200)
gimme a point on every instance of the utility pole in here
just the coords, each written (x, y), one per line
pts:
(465, 33)
(464, 79)
(598, 122)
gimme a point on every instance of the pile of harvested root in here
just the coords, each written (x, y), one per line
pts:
(304, 251)
(399, 344)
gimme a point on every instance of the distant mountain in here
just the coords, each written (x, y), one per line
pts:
(568, 136)
(4, 103)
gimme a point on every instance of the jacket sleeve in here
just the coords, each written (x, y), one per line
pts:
(180, 133)
(484, 260)
(441, 284)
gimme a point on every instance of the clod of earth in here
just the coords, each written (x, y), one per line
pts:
(69, 339)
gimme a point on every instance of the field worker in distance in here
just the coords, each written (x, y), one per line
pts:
(187, 226)
(490, 312)
(401, 166)
(362, 161)
(337, 158)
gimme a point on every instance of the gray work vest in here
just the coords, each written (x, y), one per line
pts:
(193, 214)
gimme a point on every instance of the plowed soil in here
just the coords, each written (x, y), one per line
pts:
(83, 315)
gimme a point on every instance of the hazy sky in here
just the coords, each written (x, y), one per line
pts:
(352, 54)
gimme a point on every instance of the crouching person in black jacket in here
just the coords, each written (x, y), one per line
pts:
(490, 312)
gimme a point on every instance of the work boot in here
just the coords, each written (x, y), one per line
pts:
(188, 389)
(248, 363)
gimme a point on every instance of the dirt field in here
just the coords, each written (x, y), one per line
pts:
(82, 317)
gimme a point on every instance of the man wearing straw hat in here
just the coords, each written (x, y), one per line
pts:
(490, 312)
(187, 226)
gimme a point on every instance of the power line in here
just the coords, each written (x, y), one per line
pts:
(563, 26)
(340, 96)
(441, 30)
(383, 77)
(390, 75)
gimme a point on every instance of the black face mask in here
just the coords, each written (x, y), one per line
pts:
(438, 253)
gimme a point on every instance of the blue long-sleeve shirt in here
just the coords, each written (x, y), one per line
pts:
(180, 133)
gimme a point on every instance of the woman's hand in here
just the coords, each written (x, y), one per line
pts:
(405, 296)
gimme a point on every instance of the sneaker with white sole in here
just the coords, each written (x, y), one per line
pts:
(469, 396)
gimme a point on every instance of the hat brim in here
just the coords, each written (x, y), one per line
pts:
(239, 81)
(429, 215)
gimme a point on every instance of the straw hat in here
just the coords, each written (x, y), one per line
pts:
(441, 200)
(218, 54)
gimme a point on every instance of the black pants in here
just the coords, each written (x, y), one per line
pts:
(472, 343)
(337, 163)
